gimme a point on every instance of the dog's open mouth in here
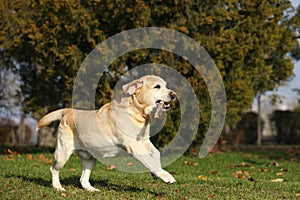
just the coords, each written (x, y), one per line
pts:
(164, 105)
(161, 106)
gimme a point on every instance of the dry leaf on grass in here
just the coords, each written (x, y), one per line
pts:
(264, 170)
(29, 157)
(297, 195)
(190, 163)
(279, 173)
(43, 158)
(241, 174)
(278, 180)
(276, 164)
(202, 178)
(238, 174)
(284, 170)
(11, 152)
(9, 158)
(243, 164)
(129, 164)
(111, 167)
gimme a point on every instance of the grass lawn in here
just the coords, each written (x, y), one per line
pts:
(227, 175)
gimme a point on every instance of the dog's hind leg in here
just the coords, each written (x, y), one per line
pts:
(64, 149)
(88, 163)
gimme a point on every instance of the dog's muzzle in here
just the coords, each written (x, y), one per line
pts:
(165, 105)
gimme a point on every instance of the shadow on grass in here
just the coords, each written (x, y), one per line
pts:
(74, 182)
(38, 181)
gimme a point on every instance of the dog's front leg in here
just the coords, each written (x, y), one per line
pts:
(150, 160)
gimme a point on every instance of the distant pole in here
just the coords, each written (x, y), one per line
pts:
(259, 132)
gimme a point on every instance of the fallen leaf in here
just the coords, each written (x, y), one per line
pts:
(9, 158)
(43, 158)
(194, 152)
(297, 195)
(11, 152)
(250, 178)
(284, 170)
(202, 178)
(111, 167)
(263, 170)
(246, 173)
(245, 164)
(239, 174)
(29, 157)
(278, 180)
(276, 164)
(129, 164)
(190, 163)
(279, 173)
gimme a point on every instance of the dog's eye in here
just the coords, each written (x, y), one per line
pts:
(157, 87)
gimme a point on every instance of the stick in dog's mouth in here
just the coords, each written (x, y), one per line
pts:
(165, 106)
(161, 106)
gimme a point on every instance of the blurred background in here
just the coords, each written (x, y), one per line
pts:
(255, 45)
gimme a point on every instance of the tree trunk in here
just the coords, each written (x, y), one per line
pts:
(259, 131)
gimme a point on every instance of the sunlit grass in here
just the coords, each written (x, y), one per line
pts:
(230, 175)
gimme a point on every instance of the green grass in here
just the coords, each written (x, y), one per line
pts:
(229, 175)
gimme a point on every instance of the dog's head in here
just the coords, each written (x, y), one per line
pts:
(150, 91)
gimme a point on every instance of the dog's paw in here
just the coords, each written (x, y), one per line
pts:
(91, 189)
(59, 188)
(87, 186)
(166, 176)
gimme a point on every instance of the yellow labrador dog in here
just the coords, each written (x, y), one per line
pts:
(122, 123)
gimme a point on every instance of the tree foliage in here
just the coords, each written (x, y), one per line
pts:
(251, 43)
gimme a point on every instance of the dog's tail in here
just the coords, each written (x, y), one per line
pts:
(53, 116)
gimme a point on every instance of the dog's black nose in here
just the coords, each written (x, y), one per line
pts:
(172, 95)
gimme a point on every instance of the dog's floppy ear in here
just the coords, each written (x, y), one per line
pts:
(131, 87)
